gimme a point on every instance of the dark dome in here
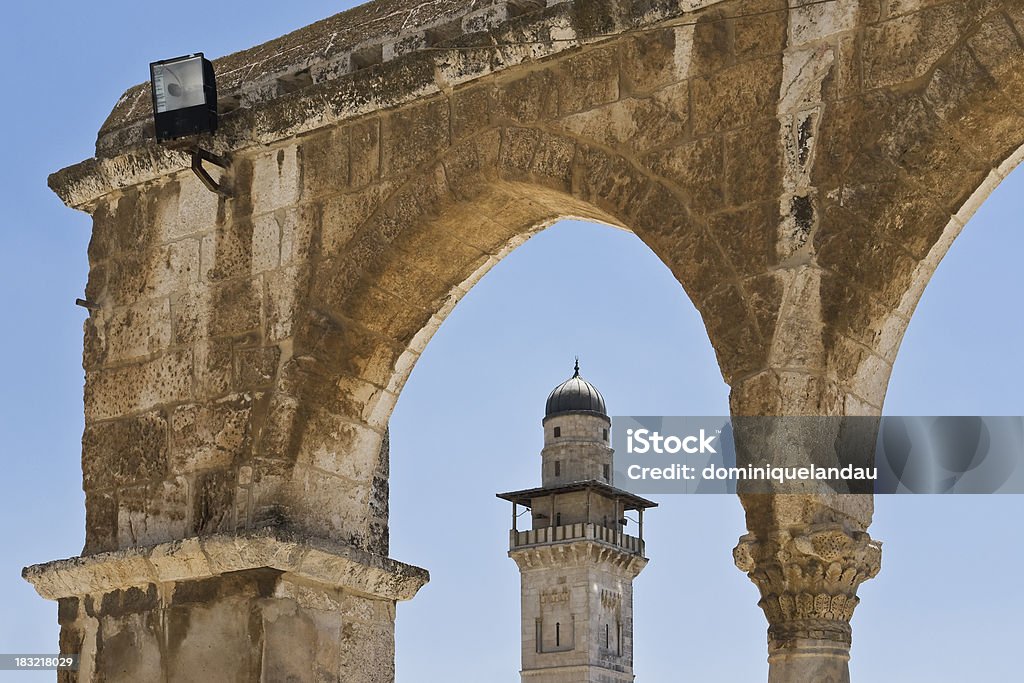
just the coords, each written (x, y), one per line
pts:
(575, 394)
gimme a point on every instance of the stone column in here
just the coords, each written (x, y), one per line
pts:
(806, 548)
(808, 579)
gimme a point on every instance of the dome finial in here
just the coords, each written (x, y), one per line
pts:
(577, 372)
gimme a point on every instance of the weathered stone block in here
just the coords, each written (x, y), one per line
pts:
(211, 435)
(283, 290)
(735, 97)
(636, 124)
(753, 164)
(213, 368)
(747, 236)
(120, 391)
(471, 110)
(153, 513)
(552, 162)
(212, 501)
(609, 182)
(896, 8)
(256, 367)
(852, 312)
(907, 47)
(337, 445)
(292, 636)
(300, 231)
(124, 452)
(870, 262)
(137, 331)
(276, 179)
(267, 234)
(726, 318)
(470, 167)
(414, 135)
(325, 163)
(364, 143)
(712, 43)
(846, 82)
(100, 521)
(695, 168)
(236, 307)
(187, 208)
(330, 506)
(813, 21)
(655, 59)
(198, 209)
(762, 32)
(131, 649)
(764, 294)
(227, 252)
(342, 215)
(405, 313)
(189, 315)
(174, 267)
(527, 99)
(588, 80)
(518, 146)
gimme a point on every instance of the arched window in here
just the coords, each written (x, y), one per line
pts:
(558, 634)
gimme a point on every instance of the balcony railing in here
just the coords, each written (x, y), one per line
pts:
(572, 532)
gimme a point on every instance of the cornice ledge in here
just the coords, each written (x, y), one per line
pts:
(314, 559)
(130, 156)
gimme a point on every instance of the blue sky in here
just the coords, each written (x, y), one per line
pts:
(945, 608)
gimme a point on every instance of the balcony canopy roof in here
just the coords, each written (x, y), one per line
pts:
(630, 501)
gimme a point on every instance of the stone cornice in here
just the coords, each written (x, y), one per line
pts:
(586, 552)
(127, 154)
(316, 560)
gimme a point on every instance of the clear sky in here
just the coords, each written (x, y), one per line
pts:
(945, 608)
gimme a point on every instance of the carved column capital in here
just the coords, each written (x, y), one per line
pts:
(808, 580)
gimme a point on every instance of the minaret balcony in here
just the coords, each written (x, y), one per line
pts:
(576, 532)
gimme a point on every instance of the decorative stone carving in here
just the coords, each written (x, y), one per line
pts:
(808, 580)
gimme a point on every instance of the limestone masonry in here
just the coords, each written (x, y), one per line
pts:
(801, 170)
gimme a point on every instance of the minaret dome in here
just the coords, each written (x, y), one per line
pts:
(575, 395)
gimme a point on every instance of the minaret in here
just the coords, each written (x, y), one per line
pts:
(576, 563)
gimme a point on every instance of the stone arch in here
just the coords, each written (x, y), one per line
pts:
(376, 292)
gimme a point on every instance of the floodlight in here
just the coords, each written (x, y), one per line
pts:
(184, 96)
(185, 104)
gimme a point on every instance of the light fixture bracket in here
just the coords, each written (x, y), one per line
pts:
(200, 155)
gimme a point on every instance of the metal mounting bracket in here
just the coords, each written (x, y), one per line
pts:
(201, 155)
